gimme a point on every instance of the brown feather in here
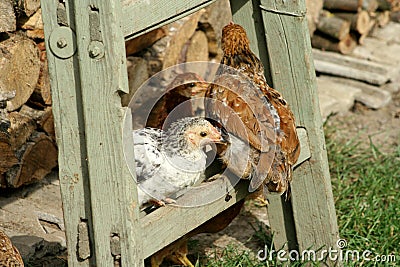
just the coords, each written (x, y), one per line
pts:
(178, 92)
(237, 54)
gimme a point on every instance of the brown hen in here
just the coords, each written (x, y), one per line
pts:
(274, 169)
(9, 254)
(177, 95)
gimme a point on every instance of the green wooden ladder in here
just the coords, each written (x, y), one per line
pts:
(87, 64)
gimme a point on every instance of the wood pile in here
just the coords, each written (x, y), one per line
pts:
(356, 47)
(27, 139)
(370, 75)
(344, 24)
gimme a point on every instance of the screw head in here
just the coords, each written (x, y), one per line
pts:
(96, 49)
(61, 43)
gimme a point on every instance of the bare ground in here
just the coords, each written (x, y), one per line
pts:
(379, 127)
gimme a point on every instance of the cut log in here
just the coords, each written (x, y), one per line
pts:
(4, 97)
(31, 6)
(390, 5)
(185, 28)
(353, 68)
(370, 5)
(21, 128)
(345, 46)
(27, 153)
(166, 52)
(35, 34)
(36, 159)
(143, 41)
(360, 37)
(351, 5)
(41, 96)
(337, 98)
(19, 68)
(371, 96)
(333, 26)
(43, 84)
(345, 5)
(34, 22)
(327, 106)
(215, 17)
(197, 47)
(314, 8)
(392, 87)
(7, 156)
(395, 16)
(46, 122)
(43, 118)
(382, 18)
(359, 21)
(390, 33)
(395, 6)
(384, 5)
(7, 16)
(42, 48)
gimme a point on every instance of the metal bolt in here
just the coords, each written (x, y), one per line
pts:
(94, 51)
(61, 43)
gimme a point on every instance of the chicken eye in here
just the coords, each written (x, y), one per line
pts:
(203, 134)
(192, 84)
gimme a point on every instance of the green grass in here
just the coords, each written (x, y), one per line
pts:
(366, 188)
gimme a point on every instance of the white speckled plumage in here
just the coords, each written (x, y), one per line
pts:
(169, 161)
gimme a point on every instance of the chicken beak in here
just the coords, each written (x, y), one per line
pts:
(216, 139)
(222, 140)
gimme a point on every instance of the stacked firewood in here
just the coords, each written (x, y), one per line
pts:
(27, 140)
(343, 24)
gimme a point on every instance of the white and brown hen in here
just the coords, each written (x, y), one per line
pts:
(169, 161)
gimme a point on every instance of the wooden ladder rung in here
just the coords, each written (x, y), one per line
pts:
(169, 223)
(154, 14)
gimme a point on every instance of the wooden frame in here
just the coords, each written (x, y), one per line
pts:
(87, 65)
